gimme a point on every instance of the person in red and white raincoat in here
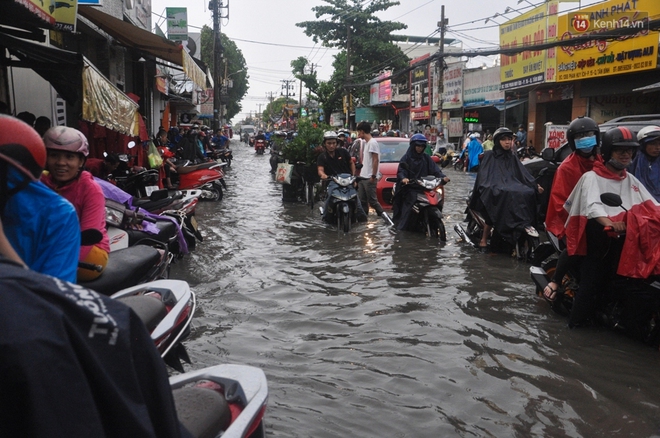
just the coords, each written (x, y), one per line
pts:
(588, 215)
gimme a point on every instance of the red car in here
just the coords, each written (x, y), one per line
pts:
(391, 151)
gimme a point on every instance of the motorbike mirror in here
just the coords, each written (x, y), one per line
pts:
(105, 154)
(131, 144)
(90, 236)
(548, 154)
(612, 200)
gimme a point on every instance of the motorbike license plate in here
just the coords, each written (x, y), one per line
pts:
(193, 222)
(150, 189)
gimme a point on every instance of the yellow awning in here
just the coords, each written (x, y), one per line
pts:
(105, 104)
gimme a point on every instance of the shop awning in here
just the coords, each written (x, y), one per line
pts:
(649, 88)
(63, 69)
(145, 41)
(509, 104)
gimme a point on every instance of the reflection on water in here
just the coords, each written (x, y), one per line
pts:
(374, 333)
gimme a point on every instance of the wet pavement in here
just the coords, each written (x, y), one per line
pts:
(377, 334)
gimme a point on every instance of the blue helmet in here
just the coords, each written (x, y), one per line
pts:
(418, 139)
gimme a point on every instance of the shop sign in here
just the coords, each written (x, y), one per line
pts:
(177, 23)
(61, 15)
(537, 26)
(471, 116)
(452, 82)
(482, 87)
(420, 115)
(607, 57)
(555, 135)
(436, 80)
(604, 108)
(455, 127)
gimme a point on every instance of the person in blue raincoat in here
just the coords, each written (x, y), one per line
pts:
(646, 166)
(473, 149)
(40, 225)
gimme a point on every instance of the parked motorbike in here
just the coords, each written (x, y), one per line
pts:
(629, 305)
(343, 202)
(224, 400)
(207, 177)
(260, 146)
(166, 307)
(221, 154)
(523, 249)
(428, 206)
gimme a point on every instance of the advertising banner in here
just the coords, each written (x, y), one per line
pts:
(435, 88)
(452, 82)
(455, 127)
(177, 23)
(62, 14)
(482, 87)
(419, 92)
(606, 57)
(555, 135)
(537, 26)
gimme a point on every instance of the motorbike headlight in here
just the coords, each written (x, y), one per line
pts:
(114, 216)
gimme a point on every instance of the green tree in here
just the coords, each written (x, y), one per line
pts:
(233, 62)
(367, 44)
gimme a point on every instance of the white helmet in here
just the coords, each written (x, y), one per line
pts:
(330, 135)
(648, 134)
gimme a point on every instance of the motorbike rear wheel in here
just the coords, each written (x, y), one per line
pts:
(309, 194)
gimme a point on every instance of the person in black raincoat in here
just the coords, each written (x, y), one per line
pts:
(417, 165)
(504, 192)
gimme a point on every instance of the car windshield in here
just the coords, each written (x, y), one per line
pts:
(391, 152)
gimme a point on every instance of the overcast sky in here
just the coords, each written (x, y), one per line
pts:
(266, 33)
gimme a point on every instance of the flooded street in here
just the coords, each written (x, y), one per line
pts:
(375, 334)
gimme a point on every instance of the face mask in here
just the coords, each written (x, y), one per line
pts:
(616, 164)
(585, 142)
(586, 151)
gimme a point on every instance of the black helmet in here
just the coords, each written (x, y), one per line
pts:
(501, 132)
(579, 126)
(620, 136)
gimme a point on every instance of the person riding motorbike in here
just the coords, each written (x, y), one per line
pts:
(67, 151)
(41, 226)
(588, 215)
(332, 162)
(504, 192)
(646, 166)
(583, 138)
(417, 165)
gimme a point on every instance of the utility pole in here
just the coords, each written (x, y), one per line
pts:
(348, 74)
(442, 24)
(216, 6)
(286, 85)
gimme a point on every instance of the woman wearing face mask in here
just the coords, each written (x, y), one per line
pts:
(583, 138)
(67, 150)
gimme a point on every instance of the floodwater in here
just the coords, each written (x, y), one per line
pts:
(375, 334)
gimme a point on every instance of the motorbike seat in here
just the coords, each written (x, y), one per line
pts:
(125, 268)
(203, 411)
(166, 231)
(189, 169)
(152, 206)
(149, 309)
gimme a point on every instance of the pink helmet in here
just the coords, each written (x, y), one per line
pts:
(68, 139)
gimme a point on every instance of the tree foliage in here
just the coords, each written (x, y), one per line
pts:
(233, 62)
(352, 25)
(307, 145)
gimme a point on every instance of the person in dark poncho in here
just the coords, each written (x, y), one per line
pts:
(77, 364)
(646, 166)
(418, 165)
(504, 192)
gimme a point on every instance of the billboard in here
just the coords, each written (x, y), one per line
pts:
(177, 24)
(609, 56)
(452, 82)
(381, 92)
(536, 26)
(420, 104)
(482, 87)
(62, 14)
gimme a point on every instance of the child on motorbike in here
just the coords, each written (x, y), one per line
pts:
(504, 192)
(583, 138)
(417, 165)
(41, 226)
(67, 151)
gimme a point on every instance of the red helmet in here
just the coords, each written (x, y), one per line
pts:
(21, 146)
(63, 138)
